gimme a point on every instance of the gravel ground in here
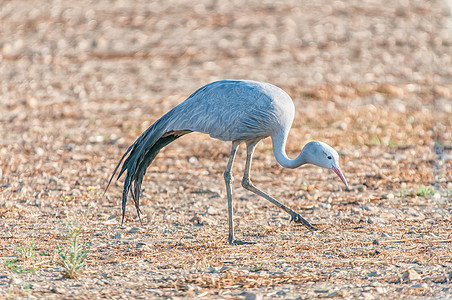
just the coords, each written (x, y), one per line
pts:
(80, 83)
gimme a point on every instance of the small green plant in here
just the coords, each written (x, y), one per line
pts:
(13, 265)
(259, 267)
(24, 265)
(392, 143)
(26, 253)
(73, 254)
(425, 191)
(376, 141)
(91, 191)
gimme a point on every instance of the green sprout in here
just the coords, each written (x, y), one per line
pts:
(425, 191)
(73, 254)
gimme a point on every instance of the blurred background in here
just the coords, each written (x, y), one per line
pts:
(90, 50)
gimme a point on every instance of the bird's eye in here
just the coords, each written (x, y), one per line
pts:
(329, 157)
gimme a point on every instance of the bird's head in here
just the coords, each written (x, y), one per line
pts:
(323, 155)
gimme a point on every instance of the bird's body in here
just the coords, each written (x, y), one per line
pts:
(234, 110)
(229, 110)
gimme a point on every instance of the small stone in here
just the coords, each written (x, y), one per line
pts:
(326, 206)
(439, 279)
(372, 274)
(16, 280)
(329, 294)
(253, 296)
(387, 215)
(422, 286)
(198, 220)
(368, 295)
(192, 160)
(39, 151)
(393, 279)
(117, 236)
(57, 290)
(333, 294)
(140, 245)
(53, 179)
(212, 211)
(134, 230)
(110, 221)
(376, 242)
(357, 188)
(410, 275)
(436, 215)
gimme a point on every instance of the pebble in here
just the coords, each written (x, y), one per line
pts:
(439, 279)
(421, 286)
(389, 196)
(253, 296)
(117, 236)
(368, 295)
(410, 275)
(198, 220)
(214, 269)
(387, 215)
(110, 221)
(211, 211)
(134, 230)
(140, 245)
(372, 274)
(325, 205)
(57, 290)
(356, 188)
(192, 160)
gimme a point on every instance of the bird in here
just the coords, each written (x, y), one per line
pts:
(238, 111)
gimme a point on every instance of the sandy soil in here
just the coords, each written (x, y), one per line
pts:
(80, 83)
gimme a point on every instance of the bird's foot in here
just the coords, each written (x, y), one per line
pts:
(299, 219)
(239, 242)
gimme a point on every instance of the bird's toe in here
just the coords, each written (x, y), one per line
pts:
(297, 218)
(240, 242)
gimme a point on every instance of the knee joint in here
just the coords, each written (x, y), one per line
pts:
(228, 176)
(246, 183)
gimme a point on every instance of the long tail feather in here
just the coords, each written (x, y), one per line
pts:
(139, 156)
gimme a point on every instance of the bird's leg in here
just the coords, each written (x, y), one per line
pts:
(246, 183)
(228, 180)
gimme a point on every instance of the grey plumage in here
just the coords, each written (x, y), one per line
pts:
(237, 111)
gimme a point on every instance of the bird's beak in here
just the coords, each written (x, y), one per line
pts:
(338, 171)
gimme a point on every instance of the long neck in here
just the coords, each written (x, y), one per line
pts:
(279, 150)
